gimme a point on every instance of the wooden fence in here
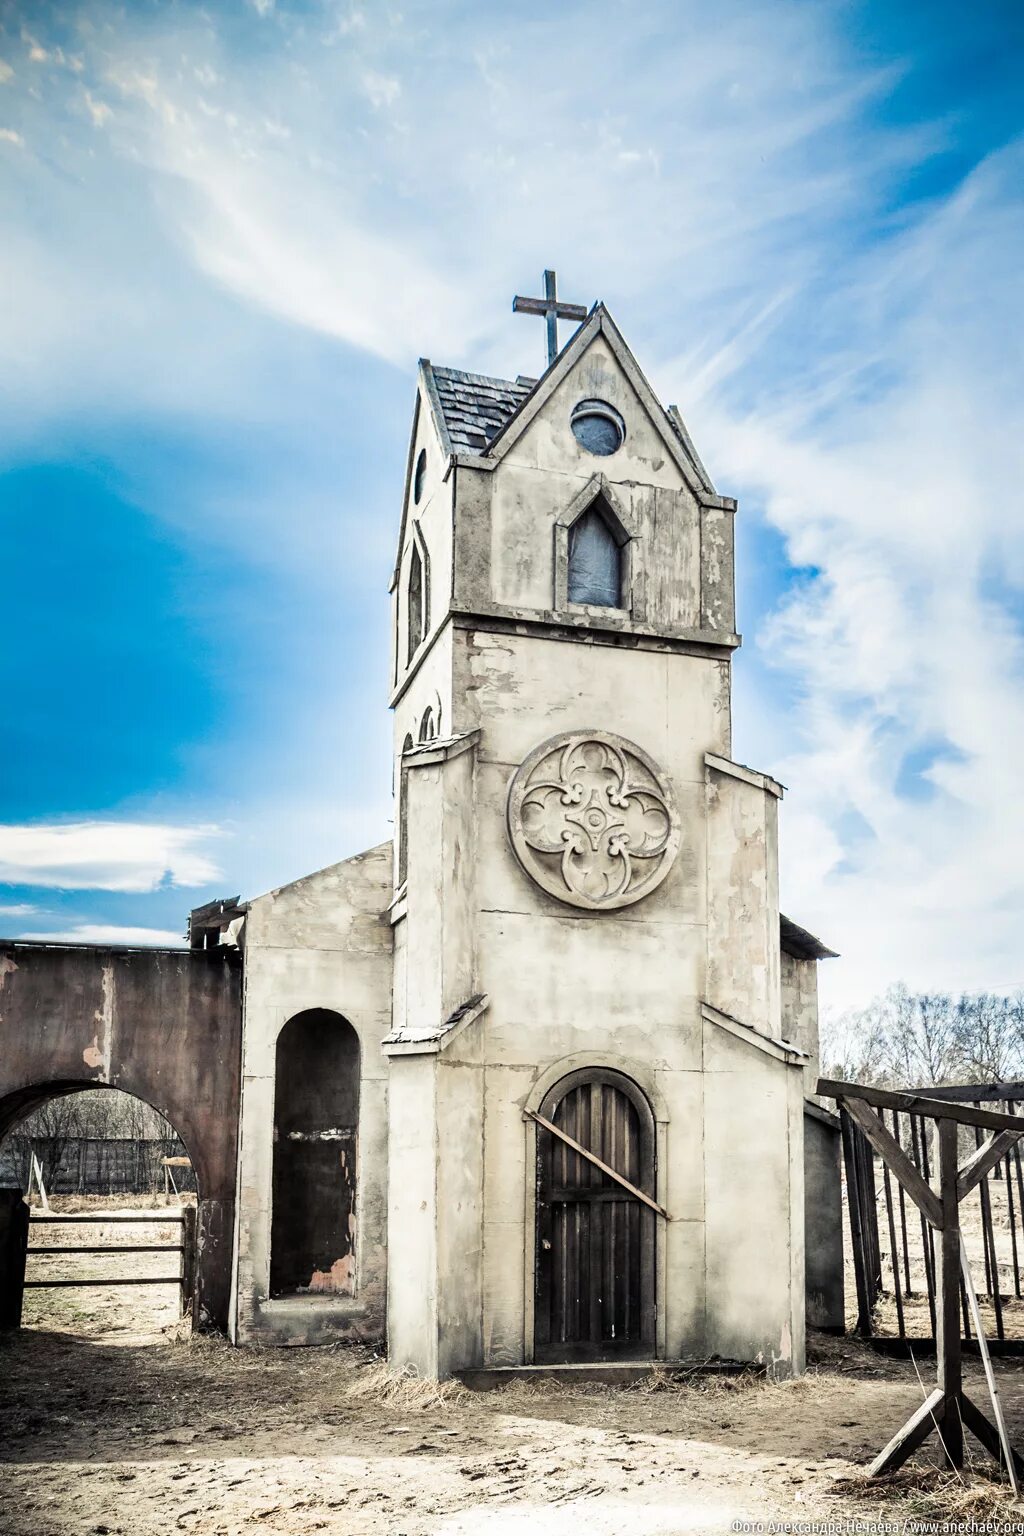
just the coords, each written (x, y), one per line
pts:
(893, 1246)
(95, 1165)
(184, 1248)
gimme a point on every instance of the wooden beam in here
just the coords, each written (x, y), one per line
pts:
(914, 1432)
(593, 1158)
(894, 1157)
(918, 1104)
(982, 1161)
(986, 1432)
(973, 1093)
(993, 1390)
(544, 307)
(947, 1301)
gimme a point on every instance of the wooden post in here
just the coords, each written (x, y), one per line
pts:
(854, 1209)
(189, 1297)
(14, 1219)
(950, 1364)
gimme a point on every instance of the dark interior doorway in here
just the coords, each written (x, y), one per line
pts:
(316, 1117)
(595, 1270)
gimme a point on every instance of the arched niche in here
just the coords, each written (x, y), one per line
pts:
(316, 1119)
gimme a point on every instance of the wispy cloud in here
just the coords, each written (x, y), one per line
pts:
(106, 856)
(110, 933)
(739, 188)
(903, 636)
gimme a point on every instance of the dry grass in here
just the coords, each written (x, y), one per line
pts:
(377, 1382)
(938, 1494)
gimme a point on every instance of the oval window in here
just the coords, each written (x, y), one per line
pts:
(598, 427)
(420, 476)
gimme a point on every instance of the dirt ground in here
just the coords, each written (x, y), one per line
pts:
(114, 1420)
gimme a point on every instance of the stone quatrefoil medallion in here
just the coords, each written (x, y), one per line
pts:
(592, 820)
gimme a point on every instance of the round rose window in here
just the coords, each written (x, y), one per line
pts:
(598, 427)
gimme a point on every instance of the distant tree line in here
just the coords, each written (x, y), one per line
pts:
(99, 1140)
(911, 1039)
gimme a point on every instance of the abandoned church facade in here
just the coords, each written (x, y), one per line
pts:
(529, 1085)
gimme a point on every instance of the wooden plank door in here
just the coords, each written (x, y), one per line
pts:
(595, 1275)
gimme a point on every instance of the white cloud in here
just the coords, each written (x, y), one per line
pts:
(110, 933)
(381, 90)
(6, 72)
(106, 856)
(905, 643)
(11, 136)
(862, 383)
(98, 110)
(18, 909)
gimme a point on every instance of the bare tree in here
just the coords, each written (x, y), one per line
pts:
(906, 1039)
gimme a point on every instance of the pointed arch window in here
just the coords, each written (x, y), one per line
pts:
(595, 572)
(417, 608)
(594, 565)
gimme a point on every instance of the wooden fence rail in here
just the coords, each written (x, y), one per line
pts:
(185, 1248)
(894, 1246)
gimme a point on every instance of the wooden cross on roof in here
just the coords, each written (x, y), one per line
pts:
(553, 310)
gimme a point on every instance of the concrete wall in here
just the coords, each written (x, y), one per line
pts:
(569, 987)
(800, 1013)
(320, 943)
(164, 1025)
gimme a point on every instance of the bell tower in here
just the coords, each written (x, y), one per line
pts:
(583, 876)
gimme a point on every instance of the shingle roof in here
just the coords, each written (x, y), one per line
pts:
(796, 941)
(475, 407)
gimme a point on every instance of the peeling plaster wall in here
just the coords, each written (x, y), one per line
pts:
(800, 1013)
(621, 988)
(567, 987)
(744, 977)
(681, 551)
(164, 1025)
(319, 943)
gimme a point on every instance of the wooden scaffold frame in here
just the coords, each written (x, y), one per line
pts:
(948, 1410)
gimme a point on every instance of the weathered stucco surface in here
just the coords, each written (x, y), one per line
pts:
(162, 1024)
(567, 988)
(317, 944)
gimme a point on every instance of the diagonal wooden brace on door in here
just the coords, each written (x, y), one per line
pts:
(592, 1157)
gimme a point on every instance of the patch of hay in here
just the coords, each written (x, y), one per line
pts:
(935, 1492)
(700, 1379)
(403, 1388)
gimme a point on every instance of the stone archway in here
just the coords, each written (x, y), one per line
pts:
(164, 1025)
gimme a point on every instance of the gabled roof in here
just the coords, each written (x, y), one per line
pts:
(477, 414)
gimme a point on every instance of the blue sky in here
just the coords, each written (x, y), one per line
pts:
(228, 231)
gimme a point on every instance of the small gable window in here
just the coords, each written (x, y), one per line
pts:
(416, 607)
(595, 561)
(420, 476)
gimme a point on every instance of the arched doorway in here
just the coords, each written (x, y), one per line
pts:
(112, 1196)
(316, 1118)
(595, 1249)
